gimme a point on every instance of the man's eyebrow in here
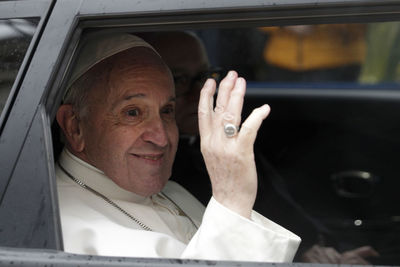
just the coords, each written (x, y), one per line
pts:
(129, 97)
(140, 95)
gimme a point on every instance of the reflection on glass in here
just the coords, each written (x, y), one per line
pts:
(339, 56)
(314, 142)
(15, 36)
(313, 53)
(383, 53)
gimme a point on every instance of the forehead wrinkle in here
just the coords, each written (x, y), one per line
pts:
(131, 72)
(127, 98)
(139, 96)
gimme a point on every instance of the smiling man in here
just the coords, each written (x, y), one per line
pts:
(115, 107)
(118, 119)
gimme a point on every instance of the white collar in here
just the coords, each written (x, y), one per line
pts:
(96, 179)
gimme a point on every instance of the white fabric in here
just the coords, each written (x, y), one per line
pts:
(92, 226)
(97, 46)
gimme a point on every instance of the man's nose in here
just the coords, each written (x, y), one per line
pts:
(156, 132)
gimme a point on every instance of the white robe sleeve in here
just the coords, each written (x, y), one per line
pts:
(91, 226)
(225, 235)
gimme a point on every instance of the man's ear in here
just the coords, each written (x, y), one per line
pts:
(69, 123)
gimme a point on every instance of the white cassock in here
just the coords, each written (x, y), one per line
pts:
(90, 225)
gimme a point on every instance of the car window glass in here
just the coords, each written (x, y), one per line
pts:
(15, 36)
(336, 56)
(327, 167)
(321, 156)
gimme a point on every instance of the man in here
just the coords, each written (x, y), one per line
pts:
(186, 56)
(118, 119)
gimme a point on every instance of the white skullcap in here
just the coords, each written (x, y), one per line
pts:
(96, 47)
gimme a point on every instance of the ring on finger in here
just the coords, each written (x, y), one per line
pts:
(230, 130)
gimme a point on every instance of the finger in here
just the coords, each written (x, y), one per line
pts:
(234, 109)
(365, 252)
(205, 108)
(224, 91)
(250, 126)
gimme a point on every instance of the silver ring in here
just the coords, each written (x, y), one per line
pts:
(230, 130)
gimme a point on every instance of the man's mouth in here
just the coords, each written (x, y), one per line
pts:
(152, 157)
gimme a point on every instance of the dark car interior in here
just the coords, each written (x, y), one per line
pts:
(321, 147)
(329, 148)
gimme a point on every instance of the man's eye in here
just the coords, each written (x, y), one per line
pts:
(133, 112)
(132, 115)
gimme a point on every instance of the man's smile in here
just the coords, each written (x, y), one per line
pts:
(149, 157)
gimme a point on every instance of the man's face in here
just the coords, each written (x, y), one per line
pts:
(130, 131)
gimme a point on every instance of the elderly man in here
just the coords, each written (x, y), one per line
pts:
(118, 119)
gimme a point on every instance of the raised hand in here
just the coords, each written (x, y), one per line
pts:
(227, 151)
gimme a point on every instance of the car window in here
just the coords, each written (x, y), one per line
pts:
(321, 151)
(326, 161)
(15, 36)
(347, 56)
(322, 159)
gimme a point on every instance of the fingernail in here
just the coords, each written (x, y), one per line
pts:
(208, 82)
(231, 74)
(241, 80)
(266, 108)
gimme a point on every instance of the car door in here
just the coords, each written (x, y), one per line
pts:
(23, 23)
